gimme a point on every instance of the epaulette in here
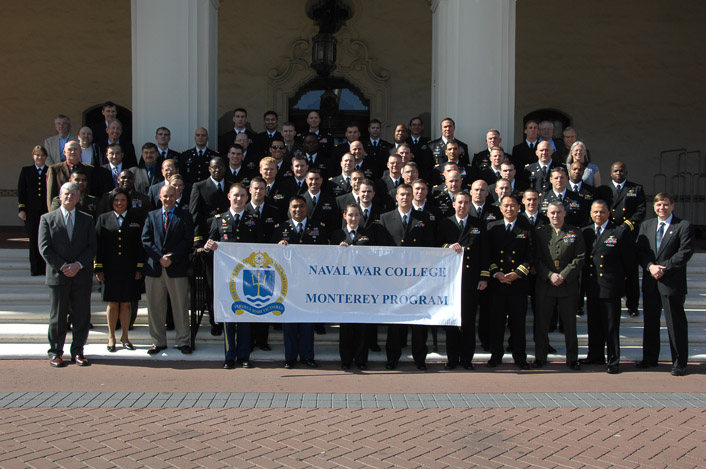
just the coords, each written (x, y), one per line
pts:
(218, 215)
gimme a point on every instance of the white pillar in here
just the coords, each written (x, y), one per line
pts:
(174, 70)
(473, 68)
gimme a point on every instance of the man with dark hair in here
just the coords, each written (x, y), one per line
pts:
(665, 245)
(437, 147)
(163, 136)
(576, 210)
(352, 135)
(511, 252)
(466, 235)
(149, 169)
(603, 281)
(481, 159)
(236, 172)
(524, 153)
(406, 227)
(626, 200)
(341, 184)
(115, 136)
(263, 140)
(240, 120)
(376, 148)
(299, 229)
(320, 207)
(109, 111)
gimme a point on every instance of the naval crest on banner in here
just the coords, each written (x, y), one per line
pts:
(258, 285)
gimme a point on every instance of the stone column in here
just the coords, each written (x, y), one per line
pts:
(174, 70)
(473, 69)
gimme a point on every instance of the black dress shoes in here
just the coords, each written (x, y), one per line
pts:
(390, 365)
(678, 370)
(644, 364)
(245, 363)
(229, 365)
(374, 348)
(309, 362)
(493, 363)
(450, 366)
(551, 350)
(539, 363)
(362, 366)
(421, 366)
(290, 364)
(216, 330)
(468, 366)
(613, 369)
(592, 361)
(523, 366)
(155, 349)
(185, 349)
(345, 366)
(265, 347)
(575, 366)
(634, 312)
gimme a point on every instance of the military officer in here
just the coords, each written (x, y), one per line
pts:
(234, 226)
(603, 280)
(32, 204)
(560, 252)
(576, 213)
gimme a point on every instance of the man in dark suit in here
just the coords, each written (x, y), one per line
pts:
(437, 147)
(524, 154)
(481, 159)
(546, 134)
(115, 137)
(627, 204)
(511, 253)
(576, 184)
(234, 226)
(664, 248)
(406, 227)
(169, 168)
(163, 136)
(106, 177)
(167, 238)
(299, 229)
(59, 174)
(193, 163)
(377, 148)
(263, 140)
(240, 120)
(352, 135)
(603, 281)
(318, 159)
(148, 170)
(32, 204)
(560, 253)
(341, 184)
(468, 236)
(67, 242)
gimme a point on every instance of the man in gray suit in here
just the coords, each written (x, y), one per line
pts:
(55, 144)
(67, 242)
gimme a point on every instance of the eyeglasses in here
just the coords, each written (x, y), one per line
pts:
(278, 147)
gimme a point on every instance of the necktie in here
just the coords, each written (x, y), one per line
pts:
(268, 189)
(404, 222)
(531, 219)
(352, 234)
(115, 176)
(166, 221)
(396, 182)
(313, 200)
(497, 174)
(120, 220)
(365, 214)
(40, 171)
(220, 189)
(660, 234)
(618, 187)
(508, 227)
(559, 197)
(544, 170)
(300, 227)
(236, 219)
(348, 181)
(149, 175)
(164, 154)
(598, 232)
(69, 225)
(200, 153)
(460, 225)
(531, 146)
(416, 141)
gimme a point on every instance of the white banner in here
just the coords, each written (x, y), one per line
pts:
(336, 284)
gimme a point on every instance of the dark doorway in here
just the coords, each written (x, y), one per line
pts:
(92, 116)
(338, 101)
(560, 119)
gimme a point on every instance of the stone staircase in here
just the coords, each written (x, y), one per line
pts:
(24, 315)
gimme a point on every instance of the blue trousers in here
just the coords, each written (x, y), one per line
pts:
(240, 348)
(298, 341)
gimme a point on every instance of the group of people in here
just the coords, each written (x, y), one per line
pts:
(535, 224)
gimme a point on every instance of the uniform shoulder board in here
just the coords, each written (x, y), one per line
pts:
(436, 186)
(218, 215)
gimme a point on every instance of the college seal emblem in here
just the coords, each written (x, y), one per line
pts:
(258, 285)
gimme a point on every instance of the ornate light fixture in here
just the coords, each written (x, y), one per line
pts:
(329, 16)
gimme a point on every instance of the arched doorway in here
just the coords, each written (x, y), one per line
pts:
(92, 117)
(560, 119)
(338, 101)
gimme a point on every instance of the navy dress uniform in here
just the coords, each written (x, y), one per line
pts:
(235, 228)
(561, 252)
(511, 250)
(607, 263)
(32, 199)
(473, 237)
(299, 337)
(627, 207)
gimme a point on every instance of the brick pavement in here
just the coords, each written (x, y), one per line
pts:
(101, 417)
